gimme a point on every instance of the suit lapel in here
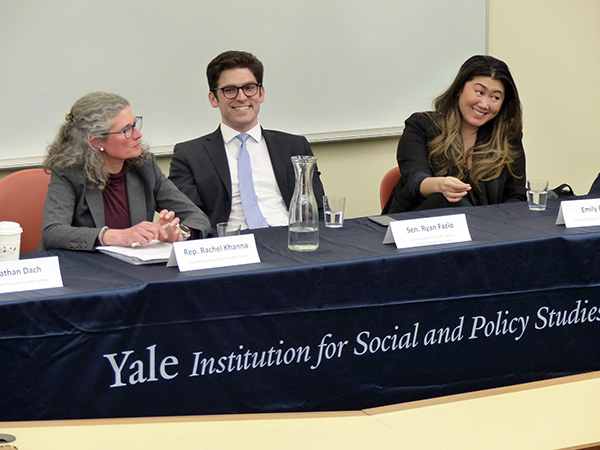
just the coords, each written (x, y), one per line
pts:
(95, 202)
(135, 190)
(279, 163)
(215, 149)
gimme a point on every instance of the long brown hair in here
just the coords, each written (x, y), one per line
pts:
(490, 157)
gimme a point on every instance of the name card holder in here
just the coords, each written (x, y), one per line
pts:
(428, 231)
(30, 274)
(215, 252)
(579, 213)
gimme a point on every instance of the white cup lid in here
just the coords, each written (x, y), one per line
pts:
(8, 228)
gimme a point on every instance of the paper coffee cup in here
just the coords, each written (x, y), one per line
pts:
(10, 241)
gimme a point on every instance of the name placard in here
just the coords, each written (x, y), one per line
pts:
(428, 231)
(579, 213)
(30, 274)
(215, 252)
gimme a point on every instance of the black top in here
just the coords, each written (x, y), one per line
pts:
(414, 166)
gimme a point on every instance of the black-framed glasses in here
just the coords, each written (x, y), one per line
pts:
(249, 90)
(128, 130)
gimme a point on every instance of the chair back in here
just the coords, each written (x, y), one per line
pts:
(390, 179)
(22, 197)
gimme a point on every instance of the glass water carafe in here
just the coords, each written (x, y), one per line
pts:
(303, 226)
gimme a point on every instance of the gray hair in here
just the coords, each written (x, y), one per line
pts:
(91, 116)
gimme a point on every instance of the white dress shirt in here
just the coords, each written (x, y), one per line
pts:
(269, 197)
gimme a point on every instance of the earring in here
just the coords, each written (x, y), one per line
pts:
(101, 149)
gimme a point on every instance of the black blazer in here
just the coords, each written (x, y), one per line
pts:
(199, 168)
(595, 188)
(414, 167)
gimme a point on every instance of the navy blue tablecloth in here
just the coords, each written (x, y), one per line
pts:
(352, 325)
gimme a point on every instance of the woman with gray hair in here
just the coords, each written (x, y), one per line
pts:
(106, 185)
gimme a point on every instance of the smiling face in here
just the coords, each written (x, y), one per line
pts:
(117, 148)
(480, 101)
(241, 112)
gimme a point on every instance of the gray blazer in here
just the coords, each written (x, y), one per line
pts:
(74, 212)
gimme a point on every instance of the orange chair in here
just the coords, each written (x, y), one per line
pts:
(22, 197)
(390, 179)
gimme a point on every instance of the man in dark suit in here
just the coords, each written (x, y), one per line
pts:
(206, 168)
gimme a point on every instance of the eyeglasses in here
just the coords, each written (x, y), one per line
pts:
(249, 90)
(128, 130)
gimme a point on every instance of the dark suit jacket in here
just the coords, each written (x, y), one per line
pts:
(74, 212)
(414, 166)
(199, 168)
(595, 188)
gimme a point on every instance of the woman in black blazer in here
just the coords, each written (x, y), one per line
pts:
(469, 150)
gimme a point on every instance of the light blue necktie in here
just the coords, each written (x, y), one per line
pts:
(254, 217)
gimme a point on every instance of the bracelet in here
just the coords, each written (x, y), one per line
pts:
(185, 232)
(101, 235)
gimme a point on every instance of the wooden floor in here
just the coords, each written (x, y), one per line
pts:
(553, 414)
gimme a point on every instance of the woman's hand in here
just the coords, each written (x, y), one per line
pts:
(170, 224)
(138, 235)
(454, 189)
(450, 187)
(166, 229)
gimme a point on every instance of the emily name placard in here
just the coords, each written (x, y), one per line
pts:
(579, 213)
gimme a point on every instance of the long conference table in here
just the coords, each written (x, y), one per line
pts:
(356, 324)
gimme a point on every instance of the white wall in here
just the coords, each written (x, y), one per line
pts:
(330, 66)
(553, 50)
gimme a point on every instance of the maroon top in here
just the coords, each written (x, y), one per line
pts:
(116, 203)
